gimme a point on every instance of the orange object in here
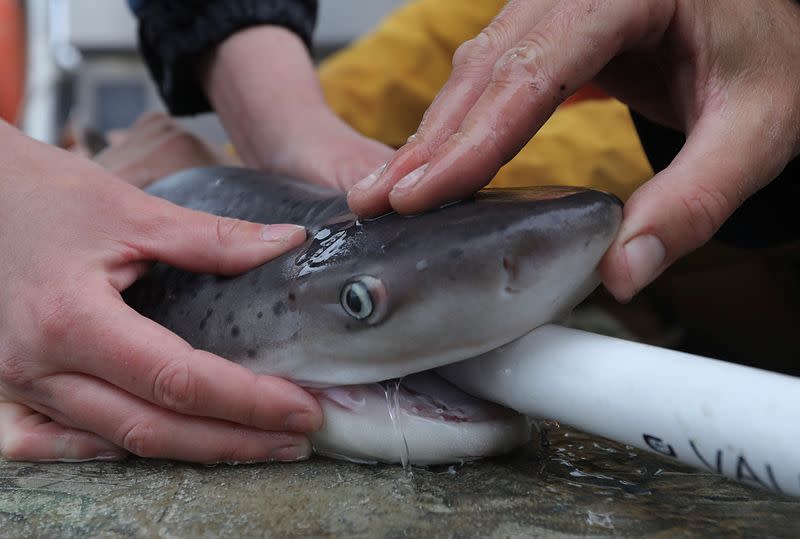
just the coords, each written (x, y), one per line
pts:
(12, 58)
(584, 94)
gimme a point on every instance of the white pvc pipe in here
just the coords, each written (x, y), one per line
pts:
(737, 421)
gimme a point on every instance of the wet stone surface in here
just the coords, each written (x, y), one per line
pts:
(579, 485)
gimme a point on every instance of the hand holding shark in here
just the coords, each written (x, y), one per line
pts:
(72, 237)
(263, 85)
(727, 77)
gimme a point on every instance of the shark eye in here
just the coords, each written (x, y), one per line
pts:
(362, 298)
(356, 300)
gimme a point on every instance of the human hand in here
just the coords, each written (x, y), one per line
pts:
(729, 76)
(263, 86)
(72, 238)
(156, 146)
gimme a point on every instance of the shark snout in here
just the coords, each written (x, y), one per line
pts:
(551, 242)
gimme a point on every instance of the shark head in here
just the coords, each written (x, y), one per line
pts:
(381, 298)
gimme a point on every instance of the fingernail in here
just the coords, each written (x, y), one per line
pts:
(367, 183)
(301, 422)
(645, 256)
(411, 179)
(282, 232)
(292, 453)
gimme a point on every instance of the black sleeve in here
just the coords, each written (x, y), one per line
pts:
(768, 218)
(174, 35)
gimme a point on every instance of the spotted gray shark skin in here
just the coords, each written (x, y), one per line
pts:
(363, 301)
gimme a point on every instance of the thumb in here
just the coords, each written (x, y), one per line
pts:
(197, 241)
(726, 158)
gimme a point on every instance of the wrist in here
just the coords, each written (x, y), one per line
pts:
(263, 85)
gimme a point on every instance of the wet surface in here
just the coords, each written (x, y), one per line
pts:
(577, 485)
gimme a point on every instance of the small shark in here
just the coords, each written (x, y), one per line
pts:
(363, 302)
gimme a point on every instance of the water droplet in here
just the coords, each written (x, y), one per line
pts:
(391, 390)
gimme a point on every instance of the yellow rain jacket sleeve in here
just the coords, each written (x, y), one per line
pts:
(383, 83)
